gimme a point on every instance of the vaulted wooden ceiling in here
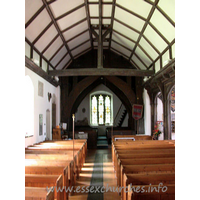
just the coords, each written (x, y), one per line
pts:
(57, 32)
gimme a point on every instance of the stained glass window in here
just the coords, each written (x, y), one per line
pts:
(94, 110)
(101, 109)
(107, 108)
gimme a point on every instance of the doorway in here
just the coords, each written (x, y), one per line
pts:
(48, 126)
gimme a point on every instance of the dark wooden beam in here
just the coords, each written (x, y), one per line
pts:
(134, 64)
(144, 27)
(69, 12)
(77, 35)
(80, 44)
(131, 12)
(133, 29)
(140, 60)
(159, 33)
(119, 53)
(94, 33)
(42, 33)
(124, 36)
(162, 12)
(34, 16)
(145, 52)
(57, 27)
(125, 47)
(112, 20)
(37, 51)
(151, 44)
(88, 21)
(100, 42)
(83, 52)
(56, 52)
(73, 25)
(126, 25)
(96, 3)
(61, 60)
(50, 43)
(106, 33)
(33, 67)
(101, 72)
(167, 48)
(51, 1)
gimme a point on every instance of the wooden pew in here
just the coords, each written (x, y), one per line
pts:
(147, 179)
(41, 180)
(141, 161)
(147, 153)
(145, 145)
(145, 169)
(137, 137)
(79, 159)
(58, 148)
(53, 163)
(38, 193)
(155, 192)
(141, 151)
(57, 157)
(51, 171)
(64, 142)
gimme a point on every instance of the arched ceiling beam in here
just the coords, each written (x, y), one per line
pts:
(88, 21)
(144, 27)
(57, 27)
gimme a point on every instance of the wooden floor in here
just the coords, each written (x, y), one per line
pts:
(97, 170)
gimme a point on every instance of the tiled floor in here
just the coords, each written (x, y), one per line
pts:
(97, 170)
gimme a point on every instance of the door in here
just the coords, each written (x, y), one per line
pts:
(48, 127)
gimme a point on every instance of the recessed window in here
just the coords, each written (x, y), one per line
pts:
(101, 109)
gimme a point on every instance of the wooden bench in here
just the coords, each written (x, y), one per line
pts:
(53, 163)
(144, 169)
(51, 171)
(141, 161)
(147, 179)
(144, 162)
(62, 147)
(38, 193)
(56, 157)
(136, 137)
(155, 192)
(79, 159)
(35, 180)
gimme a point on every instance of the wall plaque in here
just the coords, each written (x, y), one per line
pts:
(40, 89)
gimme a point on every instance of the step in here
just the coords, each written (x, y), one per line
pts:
(102, 143)
(102, 138)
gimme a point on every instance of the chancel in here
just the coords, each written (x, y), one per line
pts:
(111, 65)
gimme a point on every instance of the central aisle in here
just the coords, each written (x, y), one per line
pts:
(96, 172)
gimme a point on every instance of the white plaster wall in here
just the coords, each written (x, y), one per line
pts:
(41, 104)
(147, 113)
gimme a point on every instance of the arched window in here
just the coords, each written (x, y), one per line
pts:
(29, 107)
(101, 109)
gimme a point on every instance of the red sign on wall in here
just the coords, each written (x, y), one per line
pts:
(137, 111)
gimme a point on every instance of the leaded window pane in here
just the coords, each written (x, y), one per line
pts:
(94, 110)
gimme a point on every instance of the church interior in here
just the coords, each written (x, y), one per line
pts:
(99, 101)
(100, 93)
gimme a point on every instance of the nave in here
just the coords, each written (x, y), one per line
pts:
(97, 171)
